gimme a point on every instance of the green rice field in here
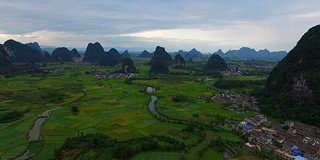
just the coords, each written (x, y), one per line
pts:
(157, 156)
(109, 106)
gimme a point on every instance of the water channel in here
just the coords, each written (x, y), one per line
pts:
(34, 133)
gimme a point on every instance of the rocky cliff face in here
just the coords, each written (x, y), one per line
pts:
(300, 90)
(3, 53)
(179, 61)
(128, 66)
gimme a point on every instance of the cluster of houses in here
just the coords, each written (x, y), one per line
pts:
(237, 102)
(289, 141)
(264, 67)
(54, 70)
(115, 75)
(231, 73)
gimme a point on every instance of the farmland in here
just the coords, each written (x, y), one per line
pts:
(114, 108)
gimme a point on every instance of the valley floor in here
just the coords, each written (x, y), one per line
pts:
(118, 109)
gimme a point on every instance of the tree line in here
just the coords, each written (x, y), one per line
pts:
(101, 146)
(228, 84)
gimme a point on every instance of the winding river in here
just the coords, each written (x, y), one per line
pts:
(34, 133)
(153, 110)
(152, 107)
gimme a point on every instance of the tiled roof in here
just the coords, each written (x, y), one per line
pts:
(288, 144)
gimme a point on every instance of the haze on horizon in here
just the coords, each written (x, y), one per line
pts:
(207, 25)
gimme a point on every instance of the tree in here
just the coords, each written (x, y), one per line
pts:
(75, 109)
(190, 127)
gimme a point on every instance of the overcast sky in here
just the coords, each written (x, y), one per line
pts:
(206, 25)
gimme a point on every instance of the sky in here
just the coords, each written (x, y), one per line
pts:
(207, 25)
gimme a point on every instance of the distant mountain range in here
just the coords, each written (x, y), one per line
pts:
(242, 53)
(250, 53)
(193, 53)
(18, 52)
(132, 50)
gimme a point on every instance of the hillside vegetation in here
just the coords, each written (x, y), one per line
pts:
(292, 88)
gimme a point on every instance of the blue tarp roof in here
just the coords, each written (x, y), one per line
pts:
(247, 127)
(296, 151)
(299, 158)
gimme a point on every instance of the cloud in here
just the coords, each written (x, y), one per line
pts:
(308, 16)
(236, 35)
(207, 25)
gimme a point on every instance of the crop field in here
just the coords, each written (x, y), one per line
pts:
(14, 138)
(157, 156)
(245, 77)
(206, 111)
(109, 106)
(212, 153)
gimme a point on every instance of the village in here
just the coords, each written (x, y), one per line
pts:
(289, 141)
(115, 75)
(232, 73)
(237, 102)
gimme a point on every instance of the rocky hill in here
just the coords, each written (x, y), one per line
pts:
(125, 54)
(159, 67)
(162, 56)
(94, 52)
(47, 56)
(36, 46)
(74, 53)
(194, 53)
(128, 66)
(215, 62)
(111, 58)
(22, 53)
(62, 54)
(145, 54)
(190, 61)
(179, 62)
(181, 52)
(292, 88)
